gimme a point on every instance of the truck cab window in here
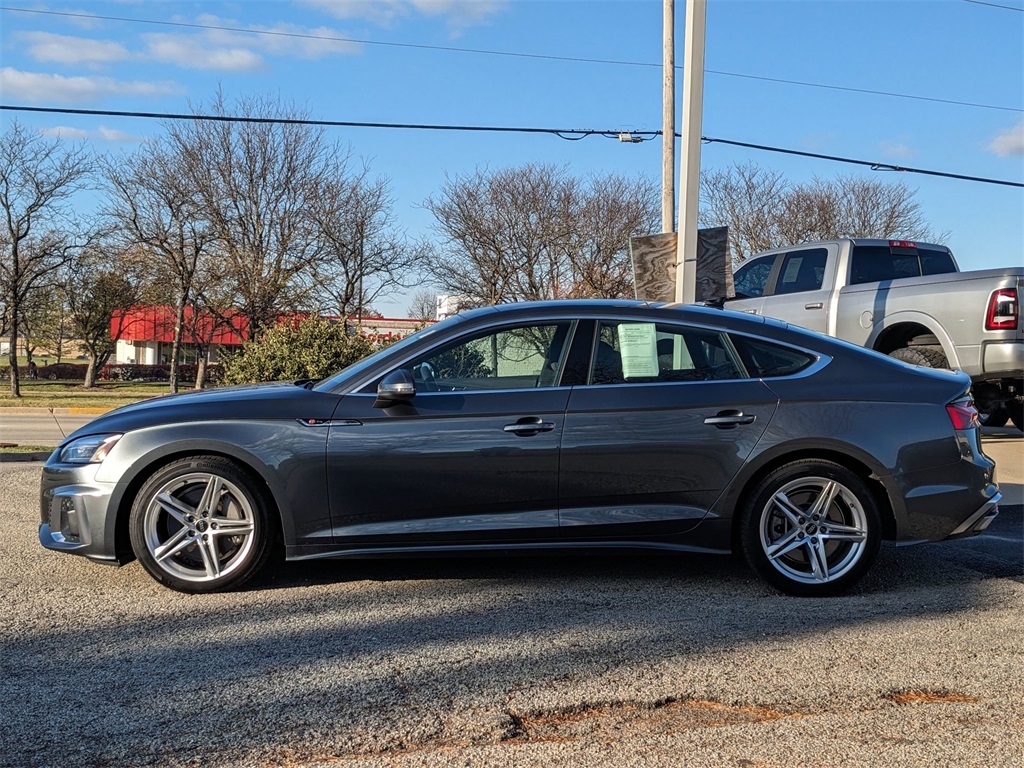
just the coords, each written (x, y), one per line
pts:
(802, 271)
(750, 279)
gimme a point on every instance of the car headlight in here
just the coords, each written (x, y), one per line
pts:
(91, 449)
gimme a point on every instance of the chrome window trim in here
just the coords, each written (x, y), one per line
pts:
(820, 358)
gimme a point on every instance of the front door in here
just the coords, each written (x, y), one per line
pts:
(471, 457)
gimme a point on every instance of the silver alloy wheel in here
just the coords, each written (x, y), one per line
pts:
(813, 530)
(199, 527)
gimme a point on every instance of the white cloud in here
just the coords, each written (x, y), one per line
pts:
(102, 133)
(112, 134)
(40, 88)
(458, 13)
(1009, 143)
(65, 132)
(67, 49)
(196, 52)
(897, 149)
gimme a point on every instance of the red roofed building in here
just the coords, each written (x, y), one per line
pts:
(147, 333)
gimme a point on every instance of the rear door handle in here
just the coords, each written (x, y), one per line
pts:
(814, 305)
(730, 419)
(529, 425)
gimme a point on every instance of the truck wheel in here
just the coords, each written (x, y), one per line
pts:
(1014, 408)
(928, 357)
(996, 417)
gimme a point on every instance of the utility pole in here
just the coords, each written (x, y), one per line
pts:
(668, 120)
(689, 174)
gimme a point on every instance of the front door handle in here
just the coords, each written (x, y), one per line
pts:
(814, 305)
(730, 419)
(529, 425)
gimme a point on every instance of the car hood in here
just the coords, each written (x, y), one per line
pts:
(260, 402)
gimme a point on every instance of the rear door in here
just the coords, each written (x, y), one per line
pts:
(665, 420)
(799, 293)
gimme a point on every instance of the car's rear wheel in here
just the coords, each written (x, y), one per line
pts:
(811, 528)
(201, 524)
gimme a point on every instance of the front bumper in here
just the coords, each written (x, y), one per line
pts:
(76, 513)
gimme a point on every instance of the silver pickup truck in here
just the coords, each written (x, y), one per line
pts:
(904, 299)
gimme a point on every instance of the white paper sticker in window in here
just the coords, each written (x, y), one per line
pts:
(639, 349)
(792, 269)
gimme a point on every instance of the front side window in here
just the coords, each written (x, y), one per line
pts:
(515, 357)
(641, 352)
(751, 279)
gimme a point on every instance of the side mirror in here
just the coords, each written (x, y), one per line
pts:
(397, 387)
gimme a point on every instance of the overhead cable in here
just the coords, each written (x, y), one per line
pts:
(569, 134)
(515, 54)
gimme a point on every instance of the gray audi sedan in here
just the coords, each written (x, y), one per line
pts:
(569, 425)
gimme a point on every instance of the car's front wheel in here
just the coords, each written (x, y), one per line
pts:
(811, 528)
(201, 524)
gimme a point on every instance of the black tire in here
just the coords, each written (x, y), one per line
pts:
(996, 417)
(202, 524)
(929, 357)
(1015, 409)
(800, 549)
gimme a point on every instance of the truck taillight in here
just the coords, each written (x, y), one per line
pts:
(1002, 310)
(963, 414)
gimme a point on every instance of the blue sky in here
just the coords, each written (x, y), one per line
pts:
(927, 52)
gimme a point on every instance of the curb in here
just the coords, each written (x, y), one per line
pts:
(69, 410)
(33, 456)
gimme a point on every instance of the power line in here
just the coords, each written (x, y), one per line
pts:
(513, 54)
(570, 134)
(995, 5)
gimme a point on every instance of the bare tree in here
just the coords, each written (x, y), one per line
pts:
(535, 232)
(38, 235)
(763, 210)
(257, 181)
(423, 305)
(101, 287)
(611, 211)
(364, 257)
(154, 207)
(749, 200)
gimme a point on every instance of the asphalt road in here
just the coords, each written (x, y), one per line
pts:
(35, 426)
(611, 661)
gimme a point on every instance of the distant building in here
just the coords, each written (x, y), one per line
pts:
(449, 304)
(147, 333)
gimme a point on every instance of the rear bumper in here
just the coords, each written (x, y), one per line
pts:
(950, 501)
(979, 521)
(1002, 359)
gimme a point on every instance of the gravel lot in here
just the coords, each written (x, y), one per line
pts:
(633, 660)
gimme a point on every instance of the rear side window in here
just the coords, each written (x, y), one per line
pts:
(802, 271)
(644, 353)
(766, 360)
(875, 263)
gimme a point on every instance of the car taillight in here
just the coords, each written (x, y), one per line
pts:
(963, 414)
(1002, 310)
